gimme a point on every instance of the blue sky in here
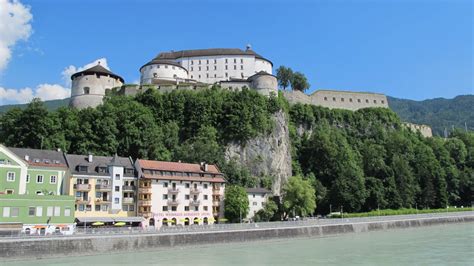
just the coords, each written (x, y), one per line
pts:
(407, 49)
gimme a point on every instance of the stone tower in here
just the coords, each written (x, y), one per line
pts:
(89, 86)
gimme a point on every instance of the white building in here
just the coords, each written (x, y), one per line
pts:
(174, 193)
(257, 199)
(205, 65)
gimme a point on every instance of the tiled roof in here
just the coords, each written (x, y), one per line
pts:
(43, 158)
(75, 160)
(98, 69)
(218, 179)
(258, 190)
(208, 52)
(177, 167)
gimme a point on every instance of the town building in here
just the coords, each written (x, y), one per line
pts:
(31, 186)
(175, 193)
(257, 199)
(104, 189)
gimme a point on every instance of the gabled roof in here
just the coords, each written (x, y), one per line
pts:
(43, 158)
(173, 55)
(178, 167)
(99, 70)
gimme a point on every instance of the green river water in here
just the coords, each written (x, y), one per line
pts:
(451, 244)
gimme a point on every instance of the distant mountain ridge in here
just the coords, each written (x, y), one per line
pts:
(439, 113)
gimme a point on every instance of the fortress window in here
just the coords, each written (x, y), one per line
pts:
(235, 60)
(242, 61)
(158, 66)
(226, 61)
(366, 101)
(199, 68)
(86, 90)
(375, 101)
(333, 99)
(207, 68)
(191, 68)
(207, 61)
(241, 67)
(199, 76)
(342, 99)
(207, 75)
(192, 62)
(199, 61)
(166, 66)
(175, 76)
(215, 61)
(215, 67)
(155, 75)
(325, 98)
(191, 76)
(358, 100)
(383, 101)
(350, 99)
(215, 75)
(235, 67)
(226, 74)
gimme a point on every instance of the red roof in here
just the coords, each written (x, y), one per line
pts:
(177, 167)
(218, 179)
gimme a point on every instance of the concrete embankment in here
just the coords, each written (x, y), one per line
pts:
(20, 249)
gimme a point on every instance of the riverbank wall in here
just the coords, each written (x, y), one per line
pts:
(25, 249)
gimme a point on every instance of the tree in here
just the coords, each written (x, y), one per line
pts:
(284, 76)
(299, 197)
(267, 213)
(236, 203)
(299, 82)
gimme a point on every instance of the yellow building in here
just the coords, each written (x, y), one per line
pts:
(104, 189)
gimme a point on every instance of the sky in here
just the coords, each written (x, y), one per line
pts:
(418, 49)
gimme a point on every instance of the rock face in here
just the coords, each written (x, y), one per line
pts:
(266, 155)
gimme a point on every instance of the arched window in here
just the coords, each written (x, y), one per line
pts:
(27, 231)
(152, 222)
(87, 90)
(173, 221)
(186, 221)
(206, 220)
(165, 222)
(196, 220)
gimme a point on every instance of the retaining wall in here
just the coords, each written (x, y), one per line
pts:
(15, 249)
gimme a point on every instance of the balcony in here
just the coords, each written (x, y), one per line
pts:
(145, 190)
(216, 191)
(215, 203)
(195, 190)
(144, 203)
(194, 202)
(82, 187)
(173, 190)
(173, 202)
(128, 188)
(103, 187)
(83, 200)
(128, 200)
(102, 200)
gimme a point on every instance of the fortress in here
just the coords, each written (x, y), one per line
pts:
(231, 68)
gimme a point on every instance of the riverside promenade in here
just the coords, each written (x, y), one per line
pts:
(110, 241)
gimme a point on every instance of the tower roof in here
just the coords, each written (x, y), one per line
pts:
(98, 70)
(157, 61)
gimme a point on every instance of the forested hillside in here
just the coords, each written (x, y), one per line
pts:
(50, 105)
(438, 113)
(360, 160)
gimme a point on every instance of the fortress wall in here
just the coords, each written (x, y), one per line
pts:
(348, 100)
(35, 248)
(294, 97)
(423, 129)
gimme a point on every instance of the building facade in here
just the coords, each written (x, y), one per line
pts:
(257, 199)
(31, 188)
(104, 188)
(174, 193)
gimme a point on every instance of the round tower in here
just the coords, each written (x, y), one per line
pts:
(89, 86)
(264, 83)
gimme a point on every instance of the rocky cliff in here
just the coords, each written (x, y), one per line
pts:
(267, 155)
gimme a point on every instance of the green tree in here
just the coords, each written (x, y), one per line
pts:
(284, 76)
(267, 213)
(236, 203)
(299, 197)
(299, 82)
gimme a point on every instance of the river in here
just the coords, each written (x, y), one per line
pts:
(450, 244)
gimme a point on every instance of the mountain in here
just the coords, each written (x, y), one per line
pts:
(50, 105)
(439, 113)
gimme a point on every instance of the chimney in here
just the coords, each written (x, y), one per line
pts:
(205, 167)
(90, 158)
(27, 157)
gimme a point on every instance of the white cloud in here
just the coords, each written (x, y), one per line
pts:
(15, 25)
(44, 91)
(68, 71)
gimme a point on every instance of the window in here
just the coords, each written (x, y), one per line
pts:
(186, 208)
(205, 186)
(57, 210)
(67, 212)
(192, 76)
(11, 177)
(97, 208)
(375, 101)
(125, 208)
(6, 211)
(205, 208)
(199, 76)
(81, 207)
(117, 188)
(31, 211)
(166, 66)
(358, 100)
(27, 178)
(165, 196)
(116, 200)
(342, 99)
(39, 179)
(131, 208)
(383, 101)
(207, 61)
(226, 61)
(105, 208)
(186, 197)
(226, 67)
(52, 179)
(15, 212)
(172, 67)
(192, 62)
(235, 67)
(199, 68)
(205, 197)
(173, 208)
(199, 61)
(49, 211)
(39, 211)
(215, 61)
(226, 75)
(241, 67)
(254, 203)
(186, 185)
(215, 67)
(87, 90)
(117, 176)
(192, 69)
(235, 60)
(165, 184)
(196, 208)
(242, 61)
(207, 75)
(350, 99)
(9, 191)
(366, 100)
(165, 208)
(333, 99)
